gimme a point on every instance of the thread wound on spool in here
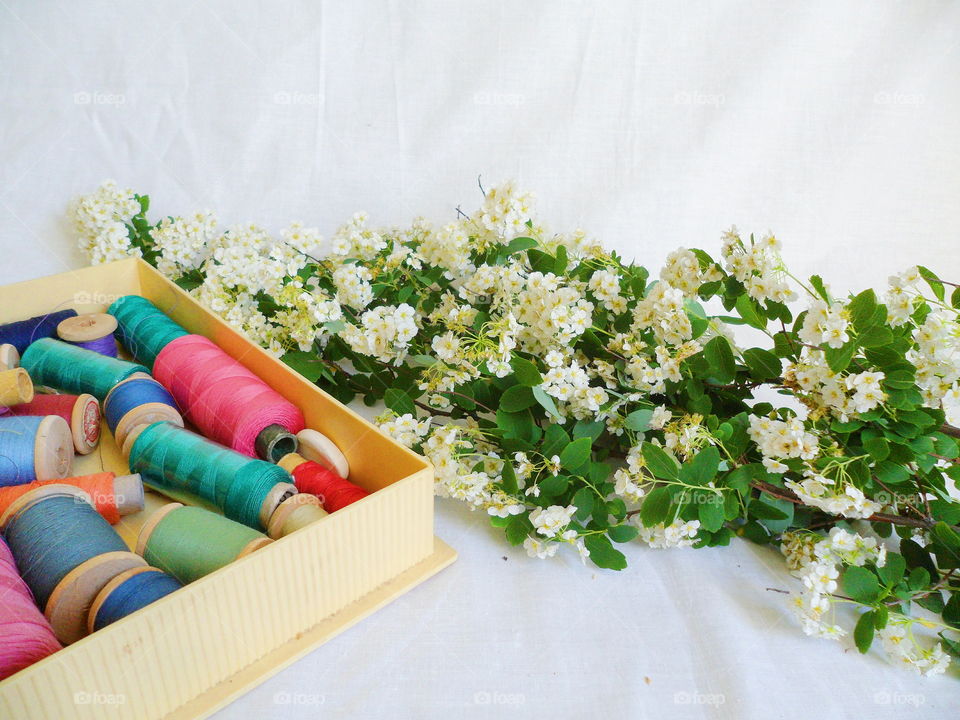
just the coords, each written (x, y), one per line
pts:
(34, 448)
(175, 461)
(82, 413)
(74, 369)
(190, 542)
(138, 401)
(27, 636)
(23, 333)
(221, 397)
(93, 331)
(128, 592)
(143, 329)
(334, 492)
(99, 486)
(16, 387)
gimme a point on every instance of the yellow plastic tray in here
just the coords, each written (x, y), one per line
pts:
(194, 651)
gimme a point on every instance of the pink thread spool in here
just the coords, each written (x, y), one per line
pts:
(25, 634)
(222, 398)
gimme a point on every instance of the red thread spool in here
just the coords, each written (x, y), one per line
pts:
(82, 413)
(222, 398)
(112, 495)
(313, 478)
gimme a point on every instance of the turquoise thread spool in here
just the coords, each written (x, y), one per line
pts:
(75, 369)
(144, 330)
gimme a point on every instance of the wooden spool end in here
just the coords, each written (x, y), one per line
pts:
(86, 328)
(9, 357)
(151, 524)
(16, 387)
(319, 448)
(291, 462)
(278, 493)
(85, 424)
(128, 493)
(143, 415)
(283, 512)
(130, 439)
(110, 587)
(69, 605)
(253, 546)
(39, 495)
(53, 449)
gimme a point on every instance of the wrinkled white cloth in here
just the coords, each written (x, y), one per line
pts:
(652, 126)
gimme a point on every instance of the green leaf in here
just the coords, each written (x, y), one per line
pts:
(576, 455)
(862, 307)
(703, 468)
(603, 553)
(518, 529)
(623, 533)
(525, 371)
(839, 358)
(818, 285)
(519, 244)
(878, 447)
(763, 364)
(951, 611)
(517, 398)
(698, 317)
(655, 506)
(519, 426)
(583, 499)
(933, 281)
(660, 463)
(305, 363)
(892, 571)
(547, 403)
(592, 429)
(917, 556)
(719, 354)
(750, 311)
(398, 401)
(876, 336)
(639, 420)
(711, 512)
(863, 632)
(554, 485)
(860, 584)
(508, 478)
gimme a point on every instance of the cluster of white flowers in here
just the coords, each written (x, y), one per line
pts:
(936, 359)
(569, 382)
(184, 242)
(384, 332)
(551, 312)
(677, 534)
(686, 436)
(682, 271)
(759, 267)
(644, 374)
(353, 286)
(662, 311)
(900, 645)
(448, 248)
(406, 429)
(836, 498)
(504, 214)
(241, 260)
(630, 481)
(354, 239)
(782, 439)
(552, 521)
(303, 315)
(605, 286)
(844, 396)
(825, 323)
(899, 297)
(100, 221)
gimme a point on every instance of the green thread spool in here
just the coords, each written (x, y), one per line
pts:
(74, 369)
(190, 542)
(185, 466)
(144, 330)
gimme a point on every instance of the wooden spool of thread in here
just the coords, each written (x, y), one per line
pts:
(128, 592)
(294, 513)
(67, 553)
(74, 369)
(137, 401)
(16, 387)
(9, 357)
(82, 413)
(23, 333)
(319, 448)
(313, 478)
(190, 542)
(113, 495)
(34, 448)
(93, 331)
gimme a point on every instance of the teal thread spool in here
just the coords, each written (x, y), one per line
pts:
(74, 369)
(184, 465)
(144, 330)
(190, 542)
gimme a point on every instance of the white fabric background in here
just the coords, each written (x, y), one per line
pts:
(653, 126)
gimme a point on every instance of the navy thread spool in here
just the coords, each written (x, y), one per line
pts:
(128, 592)
(75, 370)
(34, 448)
(93, 331)
(138, 401)
(67, 553)
(23, 333)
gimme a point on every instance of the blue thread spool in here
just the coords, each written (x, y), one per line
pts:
(128, 592)
(34, 448)
(74, 369)
(93, 331)
(138, 401)
(67, 553)
(187, 467)
(23, 333)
